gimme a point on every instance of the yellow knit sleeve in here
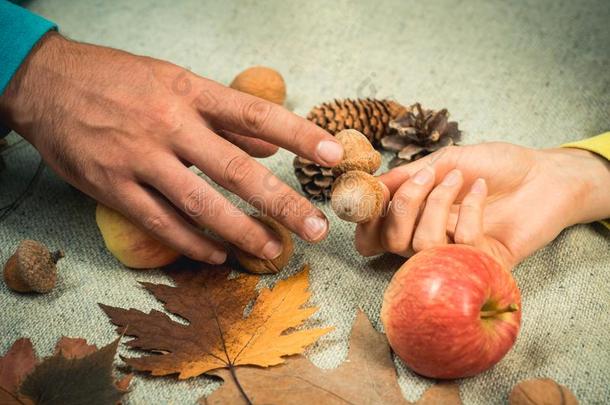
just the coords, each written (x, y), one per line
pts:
(599, 144)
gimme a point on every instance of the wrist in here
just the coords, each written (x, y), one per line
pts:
(22, 102)
(585, 179)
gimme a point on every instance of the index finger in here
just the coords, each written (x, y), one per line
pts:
(252, 116)
(440, 160)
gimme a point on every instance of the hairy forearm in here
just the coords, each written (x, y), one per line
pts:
(21, 103)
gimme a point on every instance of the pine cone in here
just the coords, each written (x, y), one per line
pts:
(316, 181)
(418, 133)
(369, 116)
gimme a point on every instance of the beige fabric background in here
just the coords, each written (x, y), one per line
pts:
(533, 72)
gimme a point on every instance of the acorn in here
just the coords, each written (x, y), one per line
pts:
(257, 265)
(32, 268)
(357, 196)
(263, 82)
(358, 153)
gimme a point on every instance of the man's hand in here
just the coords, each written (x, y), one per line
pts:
(124, 129)
(505, 199)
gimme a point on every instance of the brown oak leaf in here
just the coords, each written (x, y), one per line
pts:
(368, 376)
(76, 373)
(541, 391)
(217, 335)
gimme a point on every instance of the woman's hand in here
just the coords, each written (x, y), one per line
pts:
(505, 199)
(125, 128)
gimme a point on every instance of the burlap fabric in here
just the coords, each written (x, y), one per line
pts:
(531, 72)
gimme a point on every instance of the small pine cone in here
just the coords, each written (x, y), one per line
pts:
(418, 133)
(369, 116)
(316, 181)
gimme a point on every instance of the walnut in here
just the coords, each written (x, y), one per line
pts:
(257, 265)
(261, 82)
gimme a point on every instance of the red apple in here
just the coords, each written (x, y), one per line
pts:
(451, 312)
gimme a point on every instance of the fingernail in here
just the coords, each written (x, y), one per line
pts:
(479, 186)
(423, 176)
(218, 257)
(315, 227)
(330, 152)
(272, 249)
(452, 178)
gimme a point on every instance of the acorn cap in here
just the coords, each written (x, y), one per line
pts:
(257, 265)
(358, 153)
(34, 266)
(357, 197)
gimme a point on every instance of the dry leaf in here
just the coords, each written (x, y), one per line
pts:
(73, 348)
(218, 335)
(367, 376)
(541, 391)
(77, 373)
(15, 365)
(18, 362)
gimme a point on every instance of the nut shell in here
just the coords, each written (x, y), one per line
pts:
(263, 82)
(11, 276)
(31, 268)
(543, 391)
(265, 266)
(357, 197)
(358, 153)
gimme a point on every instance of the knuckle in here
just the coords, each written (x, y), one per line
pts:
(363, 248)
(256, 113)
(437, 197)
(392, 244)
(192, 253)
(194, 202)
(422, 243)
(299, 134)
(464, 237)
(401, 202)
(164, 118)
(248, 239)
(288, 205)
(469, 205)
(155, 223)
(236, 171)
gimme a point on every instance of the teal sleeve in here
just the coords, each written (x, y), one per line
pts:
(19, 32)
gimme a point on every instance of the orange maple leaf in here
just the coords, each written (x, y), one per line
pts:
(218, 335)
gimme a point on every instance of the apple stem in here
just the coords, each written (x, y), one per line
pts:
(494, 312)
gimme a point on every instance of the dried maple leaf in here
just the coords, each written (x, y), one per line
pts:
(15, 365)
(218, 335)
(77, 373)
(541, 391)
(73, 348)
(368, 376)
